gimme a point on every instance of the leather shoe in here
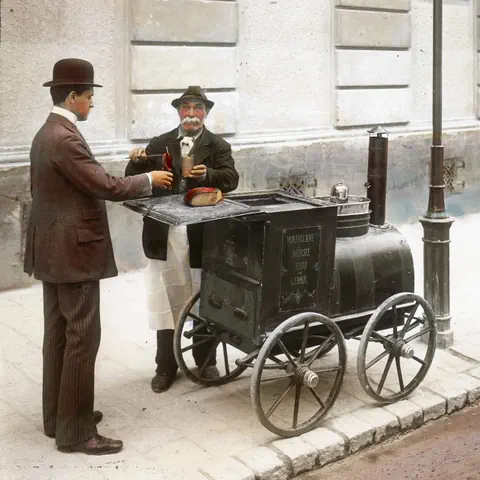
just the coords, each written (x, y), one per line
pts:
(211, 373)
(162, 381)
(97, 445)
(97, 416)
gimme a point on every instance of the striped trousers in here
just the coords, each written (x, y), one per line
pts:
(70, 345)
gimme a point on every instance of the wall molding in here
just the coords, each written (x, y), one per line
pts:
(115, 151)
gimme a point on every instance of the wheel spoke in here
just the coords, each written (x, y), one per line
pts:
(376, 359)
(382, 338)
(413, 326)
(419, 334)
(298, 392)
(196, 317)
(385, 373)
(409, 320)
(279, 377)
(225, 357)
(320, 349)
(400, 376)
(279, 400)
(317, 397)
(209, 357)
(395, 321)
(354, 332)
(195, 329)
(276, 360)
(304, 342)
(419, 360)
(286, 352)
(328, 370)
(196, 344)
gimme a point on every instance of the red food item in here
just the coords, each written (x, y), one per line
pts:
(167, 162)
(203, 196)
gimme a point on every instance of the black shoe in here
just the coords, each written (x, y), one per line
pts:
(161, 382)
(210, 373)
(97, 445)
(97, 416)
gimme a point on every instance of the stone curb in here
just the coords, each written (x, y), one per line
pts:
(339, 437)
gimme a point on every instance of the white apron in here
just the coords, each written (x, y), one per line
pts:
(169, 284)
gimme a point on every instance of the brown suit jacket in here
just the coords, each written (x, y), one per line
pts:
(68, 238)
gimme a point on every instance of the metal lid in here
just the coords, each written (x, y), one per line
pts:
(378, 131)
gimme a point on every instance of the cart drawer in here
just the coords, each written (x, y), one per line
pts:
(228, 304)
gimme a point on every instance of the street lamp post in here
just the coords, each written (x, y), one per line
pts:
(436, 222)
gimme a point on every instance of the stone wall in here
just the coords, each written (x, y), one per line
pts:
(296, 85)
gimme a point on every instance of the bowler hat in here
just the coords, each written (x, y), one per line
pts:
(195, 93)
(72, 71)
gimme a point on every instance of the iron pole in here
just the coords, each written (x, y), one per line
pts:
(436, 223)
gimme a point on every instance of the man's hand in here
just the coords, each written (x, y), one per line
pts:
(162, 179)
(138, 155)
(199, 172)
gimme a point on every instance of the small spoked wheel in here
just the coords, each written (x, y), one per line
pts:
(397, 347)
(292, 393)
(199, 344)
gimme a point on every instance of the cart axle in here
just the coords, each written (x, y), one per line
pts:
(305, 376)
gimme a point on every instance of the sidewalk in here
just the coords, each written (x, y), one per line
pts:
(196, 433)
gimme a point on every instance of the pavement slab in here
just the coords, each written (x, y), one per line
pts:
(433, 406)
(454, 394)
(384, 423)
(409, 415)
(358, 433)
(301, 454)
(265, 463)
(330, 446)
(197, 433)
(227, 469)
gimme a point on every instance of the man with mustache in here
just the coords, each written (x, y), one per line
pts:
(175, 253)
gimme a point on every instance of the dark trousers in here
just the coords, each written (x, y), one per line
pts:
(165, 359)
(70, 345)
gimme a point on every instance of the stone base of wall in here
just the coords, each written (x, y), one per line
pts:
(311, 167)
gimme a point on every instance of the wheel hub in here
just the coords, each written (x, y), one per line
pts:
(306, 377)
(402, 349)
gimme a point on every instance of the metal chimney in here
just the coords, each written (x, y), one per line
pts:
(377, 174)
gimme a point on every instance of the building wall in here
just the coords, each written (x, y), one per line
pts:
(296, 85)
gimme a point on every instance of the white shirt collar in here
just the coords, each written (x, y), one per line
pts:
(65, 113)
(182, 133)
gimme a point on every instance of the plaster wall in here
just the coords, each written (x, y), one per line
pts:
(459, 62)
(284, 65)
(34, 36)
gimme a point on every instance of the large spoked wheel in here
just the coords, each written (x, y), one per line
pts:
(409, 343)
(291, 394)
(199, 344)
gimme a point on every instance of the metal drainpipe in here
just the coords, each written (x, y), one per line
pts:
(436, 223)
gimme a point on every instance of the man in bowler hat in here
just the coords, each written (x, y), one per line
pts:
(69, 249)
(175, 253)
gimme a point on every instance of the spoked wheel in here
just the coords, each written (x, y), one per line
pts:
(291, 394)
(392, 363)
(198, 344)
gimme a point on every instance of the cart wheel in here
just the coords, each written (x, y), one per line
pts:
(196, 337)
(409, 317)
(314, 377)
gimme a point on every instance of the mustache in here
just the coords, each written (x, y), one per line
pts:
(191, 121)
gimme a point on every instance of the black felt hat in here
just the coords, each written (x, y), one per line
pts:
(193, 93)
(72, 71)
